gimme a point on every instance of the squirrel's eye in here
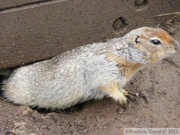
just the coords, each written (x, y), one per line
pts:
(155, 42)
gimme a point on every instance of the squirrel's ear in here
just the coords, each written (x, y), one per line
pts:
(137, 40)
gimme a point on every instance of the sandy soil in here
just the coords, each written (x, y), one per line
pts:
(159, 82)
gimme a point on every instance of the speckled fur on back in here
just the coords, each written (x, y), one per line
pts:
(87, 72)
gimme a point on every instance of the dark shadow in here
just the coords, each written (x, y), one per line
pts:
(75, 108)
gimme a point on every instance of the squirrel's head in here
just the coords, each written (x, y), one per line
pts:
(154, 43)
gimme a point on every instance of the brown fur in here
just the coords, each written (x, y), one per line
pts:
(115, 91)
(126, 67)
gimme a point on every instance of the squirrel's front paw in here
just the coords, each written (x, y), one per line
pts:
(120, 98)
(123, 97)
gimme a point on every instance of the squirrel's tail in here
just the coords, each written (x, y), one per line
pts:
(4, 74)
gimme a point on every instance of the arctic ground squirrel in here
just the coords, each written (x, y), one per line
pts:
(88, 72)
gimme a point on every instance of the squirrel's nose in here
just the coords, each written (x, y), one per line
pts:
(175, 44)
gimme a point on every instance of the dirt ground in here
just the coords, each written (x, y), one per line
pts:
(159, 82)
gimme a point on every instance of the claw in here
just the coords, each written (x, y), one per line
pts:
(141, 95)
(133, 96)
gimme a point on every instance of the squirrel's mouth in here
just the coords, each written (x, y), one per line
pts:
(172, 48)
(170, 51)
